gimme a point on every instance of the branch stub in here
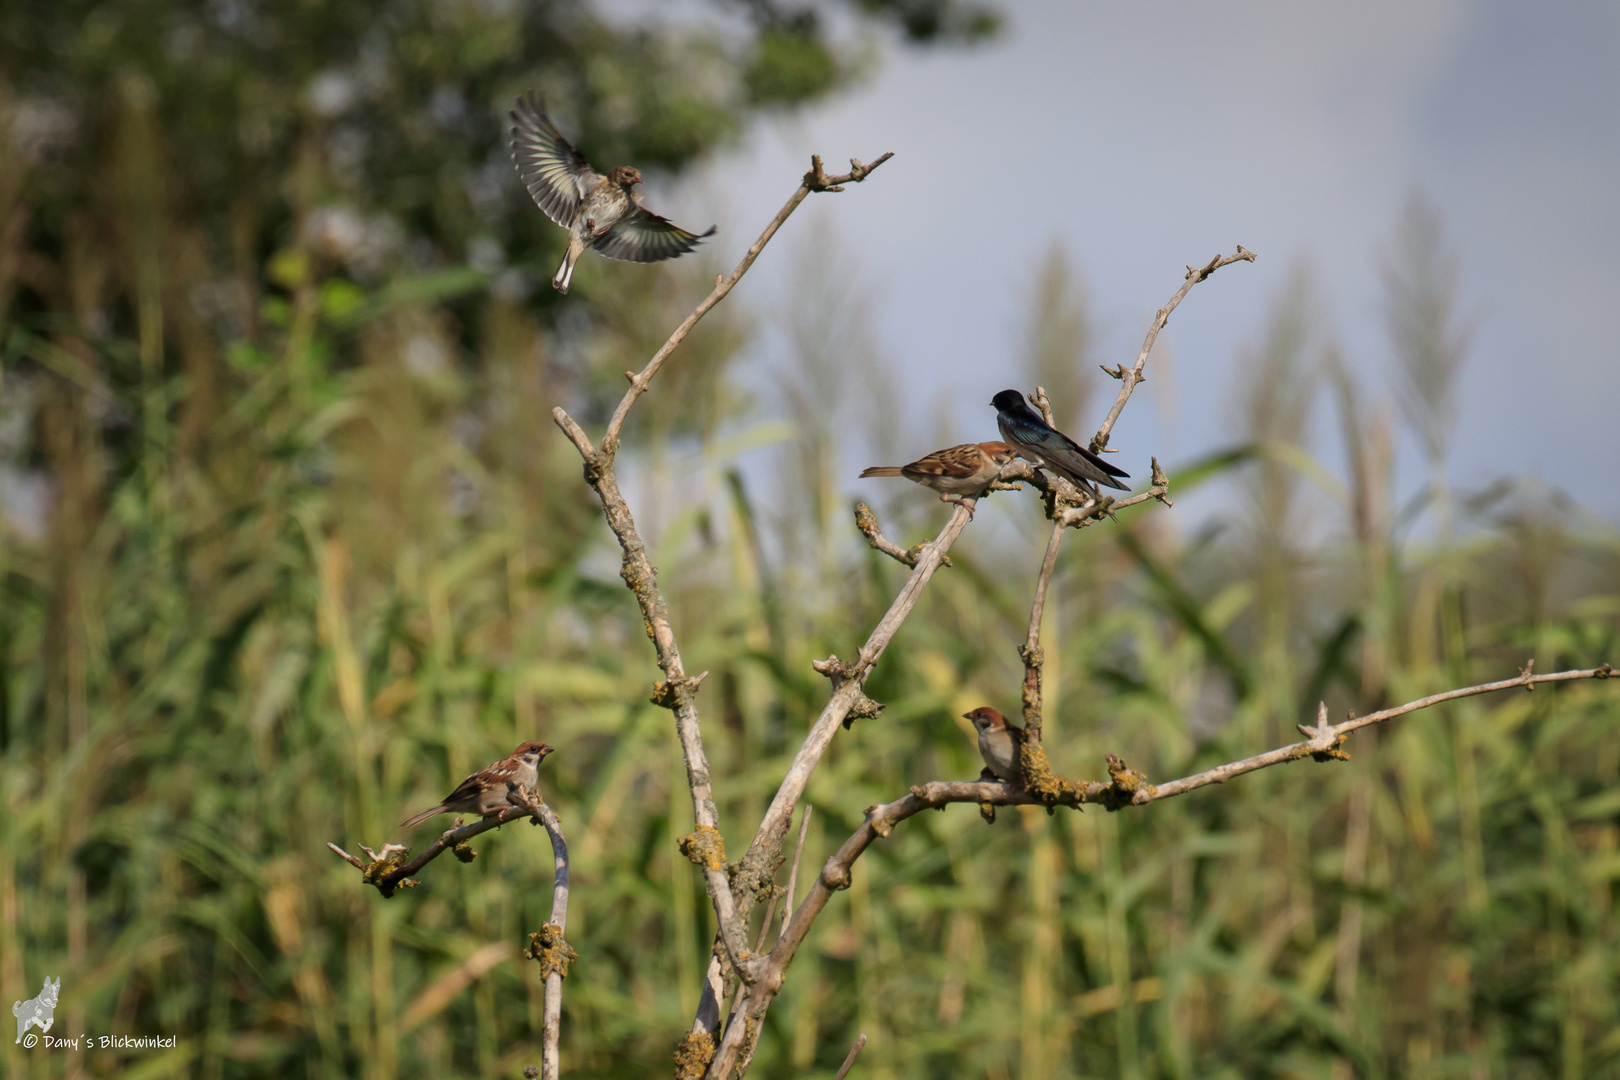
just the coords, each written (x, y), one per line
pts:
(672, 694)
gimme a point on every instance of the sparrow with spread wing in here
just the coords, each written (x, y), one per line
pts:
(956, 472)
(488, 790)
(1000, 744)
(1045, 445)
(601, 212)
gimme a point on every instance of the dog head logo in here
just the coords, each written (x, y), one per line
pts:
(36, 1012)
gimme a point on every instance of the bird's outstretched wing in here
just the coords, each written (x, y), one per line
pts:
(556, 174)
(642, 236)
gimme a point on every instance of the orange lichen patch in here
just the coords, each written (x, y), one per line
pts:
(705, 847)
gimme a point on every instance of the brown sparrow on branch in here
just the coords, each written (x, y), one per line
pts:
(601, 212)
(1000, 744)
(956, 472)
(489, 790)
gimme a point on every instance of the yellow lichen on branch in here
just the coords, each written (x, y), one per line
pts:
(705, 847)
(553, 953)
(693, 1054)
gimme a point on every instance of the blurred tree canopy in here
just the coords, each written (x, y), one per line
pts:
(253, 116)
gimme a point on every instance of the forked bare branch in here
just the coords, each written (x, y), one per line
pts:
(1126, 787)
(677, 691)
(816, 179)
(1068, 508)
(1132, 375)
(1065, 510)
(846, 703)
(391, 868)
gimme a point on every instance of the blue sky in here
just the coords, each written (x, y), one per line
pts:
(1152, 134)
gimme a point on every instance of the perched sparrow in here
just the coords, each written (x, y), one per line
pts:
(1000, 744)
(955, 472)
(1045, 445)
(599, 212)
(486, 791)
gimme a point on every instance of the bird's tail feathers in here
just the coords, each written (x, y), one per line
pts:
(1108, 469)
(1113, 483)
(882, 470)
(416, 819)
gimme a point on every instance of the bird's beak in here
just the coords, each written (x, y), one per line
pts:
(968, 717)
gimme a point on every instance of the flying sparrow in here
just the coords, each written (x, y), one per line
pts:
(1000, 744)
(956, 472)
(1045, 445)
(487, 791)
(600, 212)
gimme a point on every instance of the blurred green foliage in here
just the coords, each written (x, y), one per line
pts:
(291, 545)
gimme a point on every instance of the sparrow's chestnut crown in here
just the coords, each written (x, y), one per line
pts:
(985, 717)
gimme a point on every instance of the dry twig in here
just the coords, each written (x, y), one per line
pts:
(849, 1062)
(390, 869)
(867, 522)
(793, 873)
(1132, 375)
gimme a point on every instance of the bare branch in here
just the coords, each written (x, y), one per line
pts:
(849, 1062)
(1030, 652)
(867, 522)
(793, 874)
(1065, 517)
(1043, 403)
(814, 180)
(575, 433)
(1067, 507)
(390, 870)
(1132, 375)
(1126, 787)
(546, 949)
(818, 180)
(776, 895)
(676, 692)
(846, 698)
(847, 679)
(1326, 739)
